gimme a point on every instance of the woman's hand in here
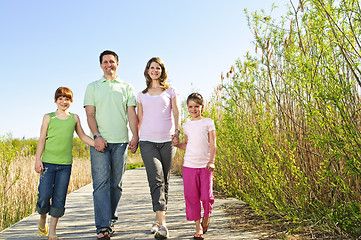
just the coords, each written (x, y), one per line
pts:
(175, 138)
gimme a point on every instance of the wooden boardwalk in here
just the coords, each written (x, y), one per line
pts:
(135, 215)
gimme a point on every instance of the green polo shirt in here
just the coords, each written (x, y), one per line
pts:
(111, 100)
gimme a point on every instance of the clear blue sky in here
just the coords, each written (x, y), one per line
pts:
(47, 44)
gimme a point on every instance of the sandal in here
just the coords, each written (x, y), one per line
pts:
(53, 237)
(205, 227)
(198, 236)
(112, 229)
(104, 234)
(43, 231)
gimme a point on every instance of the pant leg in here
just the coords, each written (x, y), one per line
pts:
(206, 190)
(151, 158)
(167, 152)
(100, 168)
(45, 189)
(191, 183)
(118, 152)
(61, 183)
(157, 158)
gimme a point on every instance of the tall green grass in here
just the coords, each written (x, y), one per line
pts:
(288, 117)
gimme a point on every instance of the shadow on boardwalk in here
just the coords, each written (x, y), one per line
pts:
(135, 215)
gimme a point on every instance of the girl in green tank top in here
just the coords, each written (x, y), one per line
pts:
(54, 158)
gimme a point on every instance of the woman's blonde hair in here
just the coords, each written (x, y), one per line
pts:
(163, 77)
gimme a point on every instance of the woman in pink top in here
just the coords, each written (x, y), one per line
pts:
(156, 104)
(198, 167)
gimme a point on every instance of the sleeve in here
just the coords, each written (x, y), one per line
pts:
(211, 126)
(131, 97)
(139, 97)
(89, 96)
(172, 92)
(185, 129)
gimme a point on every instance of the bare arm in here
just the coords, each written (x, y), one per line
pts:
(41, 143)
(99, 142)
(177, 120)
(79, 130)
(133, 124)
(212, 150)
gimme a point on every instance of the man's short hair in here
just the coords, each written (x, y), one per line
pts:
(107, 52)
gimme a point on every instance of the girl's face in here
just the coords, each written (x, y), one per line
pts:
(154, 71)
(194, 109)
(63, 103)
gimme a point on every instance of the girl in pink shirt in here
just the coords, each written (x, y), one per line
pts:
(198, 167)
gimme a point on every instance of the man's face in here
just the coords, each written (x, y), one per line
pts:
(109, 64)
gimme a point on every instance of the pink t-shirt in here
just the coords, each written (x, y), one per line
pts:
(197, 151)
(157, 124)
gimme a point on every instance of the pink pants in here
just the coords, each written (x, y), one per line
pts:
(198, 186)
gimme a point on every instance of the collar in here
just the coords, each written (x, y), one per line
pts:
(117, 79)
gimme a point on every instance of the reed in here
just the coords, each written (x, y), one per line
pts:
(288, 117)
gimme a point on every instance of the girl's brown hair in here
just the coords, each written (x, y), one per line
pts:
(163, 77)
(196, 97)
(63, 92)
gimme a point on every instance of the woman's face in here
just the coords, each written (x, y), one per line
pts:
(154, 71)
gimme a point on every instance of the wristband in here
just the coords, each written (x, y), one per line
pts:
(176, 130)
(96, 135)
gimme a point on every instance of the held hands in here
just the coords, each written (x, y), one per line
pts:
(133, 144)
(175, 138)
(100, 144)
(210, 166)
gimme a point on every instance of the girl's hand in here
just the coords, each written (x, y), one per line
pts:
(210, 166)
(38, 166)
(100, 144)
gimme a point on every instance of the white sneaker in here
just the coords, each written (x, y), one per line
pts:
(154, 227)
(162, 233)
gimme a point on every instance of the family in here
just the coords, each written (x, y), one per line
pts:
(153, 116)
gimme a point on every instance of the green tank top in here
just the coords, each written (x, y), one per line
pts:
(59, 140)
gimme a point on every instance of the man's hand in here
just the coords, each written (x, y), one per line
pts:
(133, 144)
(100, 144)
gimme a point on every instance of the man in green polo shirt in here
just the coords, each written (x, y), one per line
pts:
(109, 104)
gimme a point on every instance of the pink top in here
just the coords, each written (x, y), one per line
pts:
(197, 151)
(157, 124)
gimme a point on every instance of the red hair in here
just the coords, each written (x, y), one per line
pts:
(63, 92)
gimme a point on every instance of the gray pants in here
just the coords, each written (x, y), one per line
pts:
(157, 158)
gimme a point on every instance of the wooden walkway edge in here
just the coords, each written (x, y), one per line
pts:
(135, 215)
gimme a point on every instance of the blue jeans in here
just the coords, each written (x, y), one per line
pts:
(53, 185)
(107, 169)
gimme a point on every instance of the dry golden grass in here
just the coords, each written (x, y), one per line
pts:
(19, 199)
(177, 164)
(18, 192)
